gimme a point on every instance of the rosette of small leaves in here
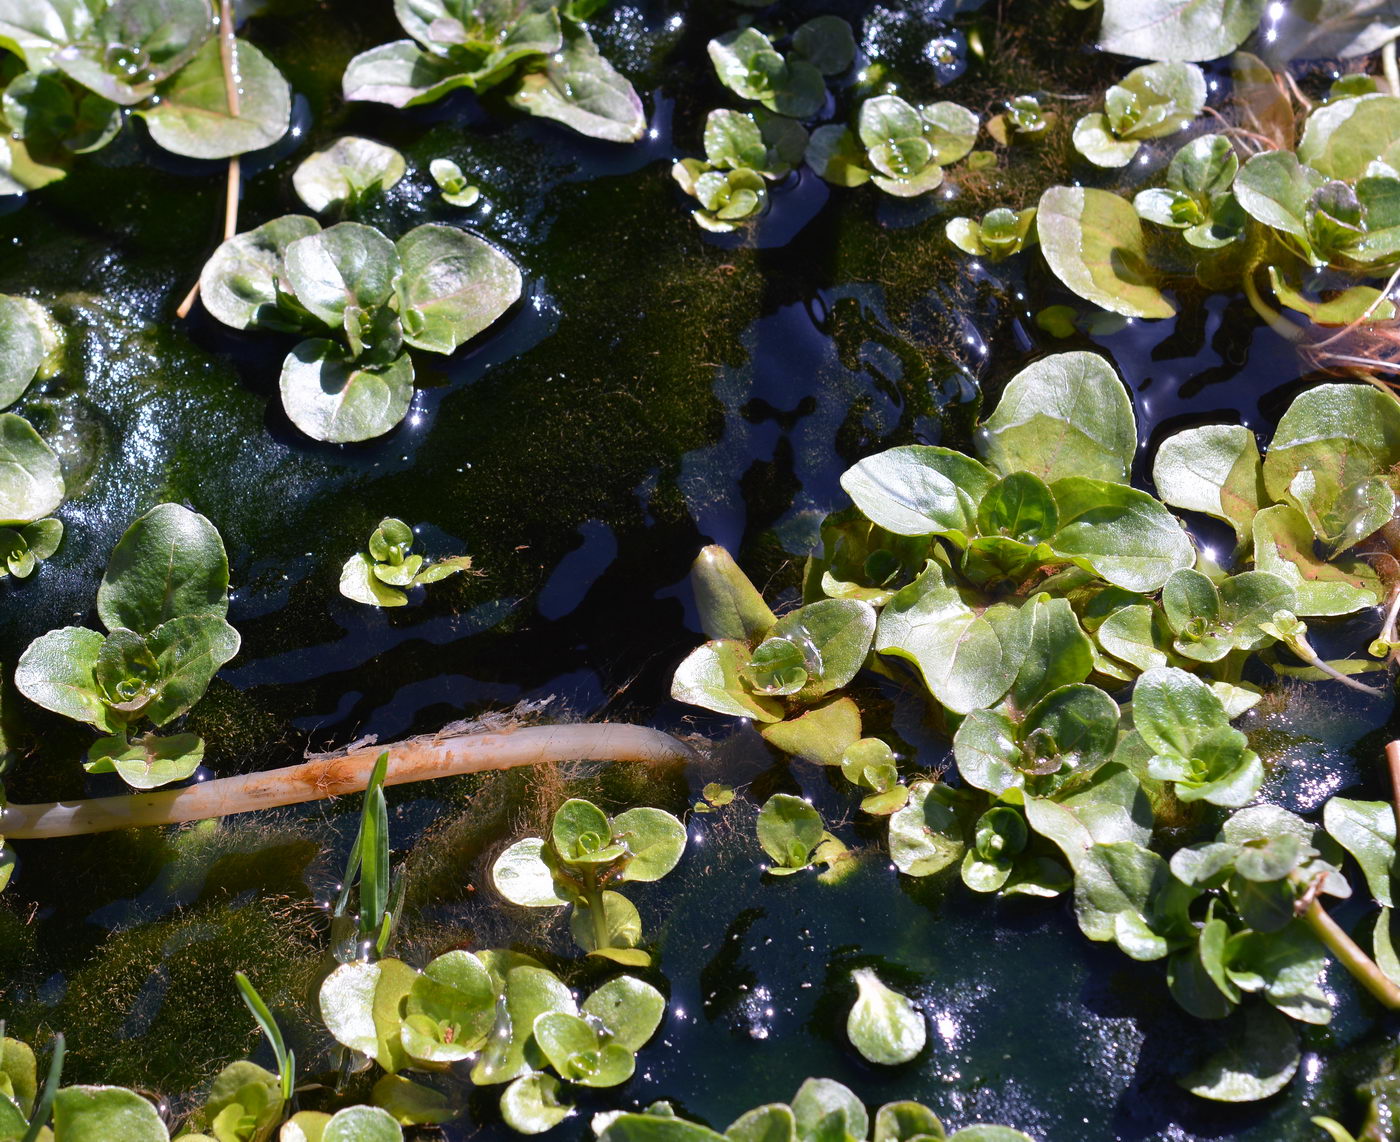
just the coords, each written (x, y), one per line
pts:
(164, 61)
(791, 832)
(31, 486)
(380, 576)
(538, 51)
(501, 1011)
(585, 854)
(1001, 233)
(163, 600)
(346, 174)
(791, 83)
(362, 300)
(1197, 199)
(742, 151)
(456, 190)
(821, 1109)
(1152, 101)
(901, 148)
(1023, 119)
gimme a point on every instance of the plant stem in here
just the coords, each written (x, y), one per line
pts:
(1350, 955)
(1392, 757)
(1388, 65)
(228, 55)
(1271, 316)
(593, 896)
(414, 760)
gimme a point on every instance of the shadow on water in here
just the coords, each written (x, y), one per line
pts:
(656, 389)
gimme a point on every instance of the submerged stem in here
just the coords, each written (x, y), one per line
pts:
(1349, 954)
(1392, 758)
(415, 760)
(593, 897)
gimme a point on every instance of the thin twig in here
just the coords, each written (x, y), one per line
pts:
(1392, 758)
(1302, 99)
(1384, 295)
(1362, 967)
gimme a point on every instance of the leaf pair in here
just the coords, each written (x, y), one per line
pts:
(378, 577)
(792, 84)
(1154, 100)
(901, 148)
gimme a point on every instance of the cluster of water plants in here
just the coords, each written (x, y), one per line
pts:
(1097, 629)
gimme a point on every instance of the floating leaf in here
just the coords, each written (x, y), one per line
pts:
(1258, 1061)
(106, 1114)
(579, 88)
(1366, 829)
(789, 830)
(169, 564)
(1215, 470)
(883, 1025)
(345, 172)
(332, 398)
(31, 480)
(1284, 546)
(1177, 29)
(239, 283)
(1121, 534)
(925, 836)
(1093, 242)
(454, 286)
(531, 1105)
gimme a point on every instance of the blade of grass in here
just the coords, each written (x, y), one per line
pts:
(286, 1060)
(44, 1107)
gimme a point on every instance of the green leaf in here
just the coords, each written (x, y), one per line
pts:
(981, 1133)
(531, 1105)
(833, 637)
(362, 1124)
(655, 841)
(1215, 470)
(332, 398)
(827, 43)
(239, 283)
(530, 991)
(1137, 635)
(58, 671)
(135, 45)
(189, 650)
(411, 1103)
(1121, 534)
(966, 659)
(401, 74)
(1094, 139)
(774, 1122)
(449, 1010)
(819, 735)
(905, 1121)
(622, 929)
(22, 348)
(925, 836)
(453, 287)
(789, 830)
(105, 1114)
(629, 1008)
(169, 564)
(579, 88)
(1366, 829)
(574, 1049)
(710, 677)
(193, 116)
(455, 188)
(1274, 188)
(1057, 651)
(581, 832)
(655, 1128)
(1343, 139)
(883, 1025)
(1283, 546)
(245, 1103)
(36, 29)
(19, 1075)
(1260, 1058)
(1177, 29)
(31, 481)
(1210, 621)
(362, 1004)
(826, 1110)
(149, 761)
(836, 155)
(1093, 242)
(359, 583)
(920, 490)
(345, 172)
(730, 605)
(1065, 415)
(522, 877)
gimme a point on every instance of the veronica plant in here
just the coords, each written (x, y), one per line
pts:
(539, 52)
(1197, 199)
(31, 487)
(1023, 119)
(363, 301)
(585, 853)
(743, 152)
(1152, 101)
(378, 577)
(84, 64)
(350, 171)
(900, 148)
(456, 190)
(163, 600)
(1001, 233)
(791, 83)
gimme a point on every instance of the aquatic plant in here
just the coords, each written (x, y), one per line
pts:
(163, 600)
(791, 83)
(538, 51)
(31, 487)
(1150, 102)
(900, 148)
(453, 183)
(341, 176)
(200, 90)
(378, 576)
(585, 852)
(362, 300)
(743, 151)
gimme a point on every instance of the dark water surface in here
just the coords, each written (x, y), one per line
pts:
(656, 389)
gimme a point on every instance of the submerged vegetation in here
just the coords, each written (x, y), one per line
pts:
(1044, 653)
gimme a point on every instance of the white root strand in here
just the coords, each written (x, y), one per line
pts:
(418, 759)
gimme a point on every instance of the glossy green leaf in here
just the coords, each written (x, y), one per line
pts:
(334, 399)
(136, 44)
(148, 762)
(710, 677)
(825, 1109)
(1366, 829)
(530, 991)
(1343, 138)
(362, 1124)
(401, 74)
(1210, 620)
(1138, 635)
(579, 88)
(621, 929)
(629, 1008)
(774, 1122)
(360, 583)
(455, 187)
(531, 1104)
(522, 877)
(836, 154)
(454, 286)
(924, 836)
(1121, 534)
(239, 283)
(920, 490)
(1274, 188)
(655, 841)
(193, 116)
(361, 1005)
(1095, 140)
(35, 29)
(58, 671)
(833, 637)
(574, 1049)
(1215, 470)
(22, 348)
(582, 832)
(1092, 240)
(1260, 1058)
(450, 1009)
(827, 43)
(1177, 29)
(1284, 546)
(344, 172)
(170, 563)
(789, 830)
(883, 1025)
(105, 1114)
(31, 481)
(820, 735)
